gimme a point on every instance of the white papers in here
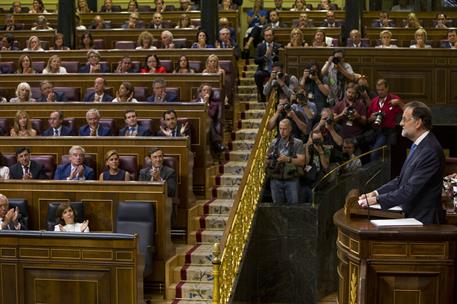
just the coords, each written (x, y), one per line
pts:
(408, 222)
(378, 206)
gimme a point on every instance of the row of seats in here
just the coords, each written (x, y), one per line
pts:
(129, 163)
(366, 42)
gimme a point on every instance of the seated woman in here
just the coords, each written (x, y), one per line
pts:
(132, 7)
(24, 65)
(4, 170)
(112, 171)
(33, 44)
(145, 40)
(23, 93)
(184, 22)
(93, 64)
(386, 37)
(38, 7)
(300, 6)
(202, 41)
(57, 44)
(413, 21)
(152, 65)
(183, 66)
(65, 216)
(326, 5)
(54, 66)
(41, 24)
(319, 39)
(296, 38)
(125, 93)
(87, 42)
(82, 7)
(213, 67)
(420, 36)
(22, 125)
(227, 5)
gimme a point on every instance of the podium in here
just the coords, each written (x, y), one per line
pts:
(400, 265)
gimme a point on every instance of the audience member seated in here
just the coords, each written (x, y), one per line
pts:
(82, 7)
(171, 127)
(320, 39)
(98, 94)
(225, 41)
(326, 5)
(213, 67)
(132, 127)
(157, 22)
(160, 6)
(33, 44)
(201, 41)
(65, 216)
(98, 23)
(184, 22)
(349, 148)
(41, 24)
(87, 42)
(54, 66)
(145, 41)
(23, 93)
(125, 66)
(227, 5)
(386, 37)
(225, 23)
(125, 93)
(133, 22)
(38, 7)
(93, 126)
(8, 43)
(158, 172)
(25, 168)
(301, 6)
(4, 170)
(132, 6)
(48, 94)
(451, 42)
(9, 24)
(108, 7)
(350, 113)
(166, 40)
(22, 125)
(412, 21)
(56, 127)
(420, 36)
(58, 43)
(183, 66)
(17, 8)
(330, 20)
(159, 92)
(93, 65)
(273, 20)
(355, 40)
(296, 38)
(402, 6)
(75, 169)
(441, 21)
(303, 22)
(185, 6)
(152, 65)
(9, 218)
(112, 172)
(383, 21)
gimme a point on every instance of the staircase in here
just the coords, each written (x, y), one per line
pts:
(189, 273)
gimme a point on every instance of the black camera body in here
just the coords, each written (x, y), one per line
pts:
(279, 75)
(362, 89)
(287, 107)
(273, 158)
(350, 113)
(312, 72)
(336, 60)
(379, 117)
(329, 120)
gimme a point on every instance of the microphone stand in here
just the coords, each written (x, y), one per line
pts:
(366, 184)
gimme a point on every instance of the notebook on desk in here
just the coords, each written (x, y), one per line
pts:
(403, 222)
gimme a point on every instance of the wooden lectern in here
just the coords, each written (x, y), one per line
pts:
(400, 265)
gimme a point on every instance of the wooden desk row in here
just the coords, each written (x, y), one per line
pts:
(405, 35)
(282, 35)
(427, 75)
(99, 200)
(426, 17)
(48, 267)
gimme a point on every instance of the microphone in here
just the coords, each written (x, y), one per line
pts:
(365, 186)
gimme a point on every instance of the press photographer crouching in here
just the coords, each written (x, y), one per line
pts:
(285, 109)
(283, 83)
(383, 115)
(284, 165)
(314, 85)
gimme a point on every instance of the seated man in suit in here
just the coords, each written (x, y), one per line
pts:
(383, 21)
(8, 45)
(172, 128)
(159, 93)
(133, 22)
(108, 7)
(26, 168)
(132, 127)
(158, 172)
(356, 39)
(99, 94)
(451, 42)
(56, 128)
(48, 94)
(225, 41)
(75, 169)
(9, 218)
(93, 126)
(330, 21)
(9, 25)
(157, 21)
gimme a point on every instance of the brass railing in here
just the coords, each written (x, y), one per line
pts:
(227, 265)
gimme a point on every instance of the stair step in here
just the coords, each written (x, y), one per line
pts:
(255, 113)
(239, 155)
(234, 167)
(247, 96)
(247, 81)
(226, 192)
(193, 290)
(207, 236)
(228, 179)
(218, 206)
(246, 134)
(246, 89)
(212, 221)
(253, 104)
(193, 273)
(200, 254)
(184, 301)
(242, 144)
(249, 123)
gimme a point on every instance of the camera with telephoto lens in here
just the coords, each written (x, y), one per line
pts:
(279, 75)
(336, 60)
(329, 120)
(273, 159)
(362, 89)
(287, 108)
(312, 72)
(379, 116)
(302, 98)
(350, 113)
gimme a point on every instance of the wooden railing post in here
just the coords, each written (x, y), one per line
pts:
(216, 266)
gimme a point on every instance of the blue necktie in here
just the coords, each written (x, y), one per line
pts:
(411, 152)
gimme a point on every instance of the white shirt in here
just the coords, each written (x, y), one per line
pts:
(421, 138)
(132, 100)
(62, 70)
(71, 228)
(4, 172)
(150, 48)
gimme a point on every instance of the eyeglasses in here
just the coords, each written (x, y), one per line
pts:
(406, 119)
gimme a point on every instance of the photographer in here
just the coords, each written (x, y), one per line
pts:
(282, 82)
(312, 83)
(363, 87)
(301, 103)
(338, 72)
(284, 165)
(291, 111)
(349, 147)
(330, 131)
(350, 113)
(383, 114)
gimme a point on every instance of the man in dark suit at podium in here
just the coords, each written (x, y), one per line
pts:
(418, 187)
